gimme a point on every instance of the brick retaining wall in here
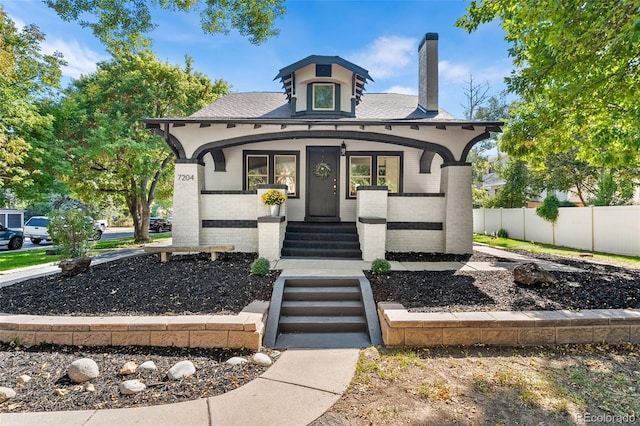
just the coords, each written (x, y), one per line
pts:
(403, 328)
(244, 330)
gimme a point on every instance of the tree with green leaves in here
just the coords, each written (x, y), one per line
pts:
(101, 119)
(577, 76)
(517, 188)
(480, 106)
(126, 22)
(26, 77)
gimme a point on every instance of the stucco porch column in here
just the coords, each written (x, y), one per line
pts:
(455, 183)
(187, 185)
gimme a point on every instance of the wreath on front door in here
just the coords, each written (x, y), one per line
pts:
(322, 170)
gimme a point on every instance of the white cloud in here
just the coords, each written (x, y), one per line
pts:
(18, 22)
(403, 90)
(387, 56)
(80, 59)
(458, 73)
(453, 73)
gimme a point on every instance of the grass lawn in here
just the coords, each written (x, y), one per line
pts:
(573, 384)
(20, 259)
(508, 243)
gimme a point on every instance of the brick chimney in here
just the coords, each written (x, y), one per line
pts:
(428, 73)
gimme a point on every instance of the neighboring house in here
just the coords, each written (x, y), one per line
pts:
(12, 218)
(492, 182)
(394, 165)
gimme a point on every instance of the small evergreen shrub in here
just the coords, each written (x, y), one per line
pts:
(380, 266)
(503, 233)
(260, 267)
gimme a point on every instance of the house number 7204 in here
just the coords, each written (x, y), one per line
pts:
(184, 178)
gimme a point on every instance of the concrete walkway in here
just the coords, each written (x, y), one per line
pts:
(297, 389)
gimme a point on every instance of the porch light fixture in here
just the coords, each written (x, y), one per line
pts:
(343, 149)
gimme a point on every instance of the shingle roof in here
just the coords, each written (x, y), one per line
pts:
(274, 105)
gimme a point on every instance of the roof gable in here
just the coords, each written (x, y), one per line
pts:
(287, 74)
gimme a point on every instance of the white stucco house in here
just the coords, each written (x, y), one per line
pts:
(391, 169)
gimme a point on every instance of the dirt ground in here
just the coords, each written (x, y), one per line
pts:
(564, 385)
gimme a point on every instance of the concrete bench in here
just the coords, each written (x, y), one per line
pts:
(165, 251)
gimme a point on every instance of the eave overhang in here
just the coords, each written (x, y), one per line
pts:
(489, 126)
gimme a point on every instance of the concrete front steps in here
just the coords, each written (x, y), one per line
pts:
(321, 240)
(322, 313)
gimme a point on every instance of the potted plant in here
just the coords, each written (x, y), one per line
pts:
(273, 198)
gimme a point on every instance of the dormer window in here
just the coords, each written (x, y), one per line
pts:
(323, 86)
(324, 96)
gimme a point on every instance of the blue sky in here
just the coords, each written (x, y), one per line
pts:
(381, 36)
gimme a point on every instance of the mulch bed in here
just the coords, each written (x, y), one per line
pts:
(600, 286)
(142, 285)
(50, 389)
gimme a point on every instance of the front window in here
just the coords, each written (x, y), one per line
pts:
(359, 173)
(324, 96)
(389, 172)
(257, 170)
(267, 167)
(367, 169)
(285, 172)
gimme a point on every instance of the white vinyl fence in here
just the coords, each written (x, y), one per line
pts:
(604, 229)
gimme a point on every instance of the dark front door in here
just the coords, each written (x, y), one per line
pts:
(322, 183)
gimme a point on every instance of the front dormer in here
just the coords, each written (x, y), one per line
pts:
(323, 86)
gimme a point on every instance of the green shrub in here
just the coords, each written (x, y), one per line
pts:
(503, 233)
(549, 209)
(72, 231)
(380, 266)
(260, 267)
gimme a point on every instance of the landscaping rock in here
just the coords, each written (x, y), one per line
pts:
(371, 354)
(262, 359)
(83, 370)
(23, 379)
(129, 368)
(6, 394)
(61, 391)
(148, 366)
(532, 274)
(90, 388)
(131, 387)
(181, 370)
(237, 360)
(73, 267)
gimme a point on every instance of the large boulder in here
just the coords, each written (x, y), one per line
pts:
(181, 370)
(533, 274)
(83, 370)
(73, 267)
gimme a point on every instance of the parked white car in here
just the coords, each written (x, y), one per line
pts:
(36, 229)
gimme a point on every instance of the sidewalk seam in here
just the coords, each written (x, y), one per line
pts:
(90, 417)
(302, 386)
(209, 420)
